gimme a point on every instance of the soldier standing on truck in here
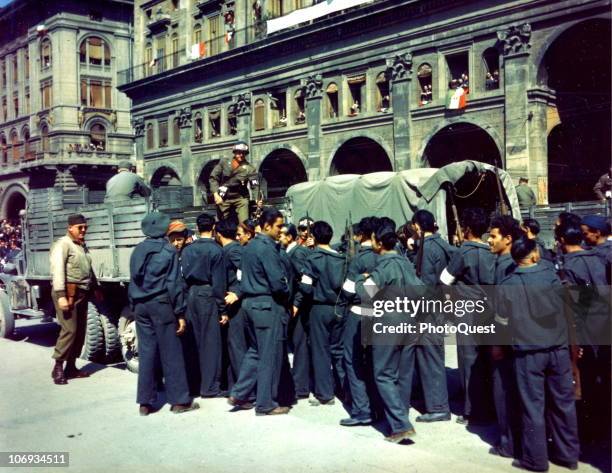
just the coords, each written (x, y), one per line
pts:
(72, 280)
(126, 184)
(231, 181)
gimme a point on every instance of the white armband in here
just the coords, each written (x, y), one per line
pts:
(306, 280)
(239, 275)
(447, 278)
(349, 286)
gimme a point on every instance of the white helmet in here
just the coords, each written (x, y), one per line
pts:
(242, 147)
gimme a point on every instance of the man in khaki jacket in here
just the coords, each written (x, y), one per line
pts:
(73, 278)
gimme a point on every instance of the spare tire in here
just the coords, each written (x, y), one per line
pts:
(93, 348)
(7, 319)
(112, 342)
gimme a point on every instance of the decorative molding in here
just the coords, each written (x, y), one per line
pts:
(399, 67)
(138, 124)
(313, 86)
(185, 117)
(242, 104)
(515, 39)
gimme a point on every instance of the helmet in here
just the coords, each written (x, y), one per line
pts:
(242, 147)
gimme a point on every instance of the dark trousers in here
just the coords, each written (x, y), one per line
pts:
(507, 405)
(475, 377)
(262, 362)
(544, 381)
(325, 348)
(236, 342)
(157, 340)
(430, 364)
(594, 407)
(73, 325)
(355, 367)
(203, 324)
(393, 369)
(301, 356)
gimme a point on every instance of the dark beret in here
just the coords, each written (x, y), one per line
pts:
(155, 224)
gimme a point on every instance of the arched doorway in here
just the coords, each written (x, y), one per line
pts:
(165, 177)
(460, 142)
(577, 67)
(203, 182)
(167, 189)
(360, 156)
(280, 170)
(14, 203)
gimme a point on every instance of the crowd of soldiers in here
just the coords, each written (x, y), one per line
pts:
(247, 295)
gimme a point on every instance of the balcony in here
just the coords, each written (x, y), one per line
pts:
(159, 23)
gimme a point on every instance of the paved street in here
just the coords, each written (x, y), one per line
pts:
(96, 420)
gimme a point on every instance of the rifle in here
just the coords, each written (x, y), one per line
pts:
(458, 231)
(350, 248)
(420, 252)
(571, 327)
(258, 210)
(503, 208)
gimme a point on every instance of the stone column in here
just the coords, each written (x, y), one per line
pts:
(399, 73)
(242, 107)
(138, 124)
(185, 117)
(313, 96)
(515, 44)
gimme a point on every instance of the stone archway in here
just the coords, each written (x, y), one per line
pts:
(576, 65)
(459, 142)
(203, 181)
(360, 155)
(165, 176)
(279, 170)
(15, 200)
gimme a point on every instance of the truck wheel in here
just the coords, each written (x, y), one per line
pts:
(129, 342)
(7, 319)
(93, 348)
(112, 342)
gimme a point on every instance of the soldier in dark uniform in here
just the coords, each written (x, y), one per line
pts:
(530, 303)
(596, 233)
(532, 228)
(471, 266)
(391, 360)
(584, 272)
(296, 335)
(231, 181)
(265, 289)
(157, 297)
(429, 351)
(503, 231)
(320, 284)
(204, 272)
(353, 351)
(125, 184)
(225, 231)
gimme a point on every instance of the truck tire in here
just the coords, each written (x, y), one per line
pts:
(93, 348)
(7, 319)
(129, 341)
(112, 342)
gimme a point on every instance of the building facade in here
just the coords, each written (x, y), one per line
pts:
(62, 121)
(355, 86)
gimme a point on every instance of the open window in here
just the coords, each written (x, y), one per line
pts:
(232, 121)
(162, 133)
(4, 149)
(424, 77)
(27, 145)
(278, 108)
(150, 137)
(15, 146)
(356, 84)
(198, 128)
(214, 123)
(490, 58)
(299, 106)
(383, 95)
(259, 112)
(97, 137)
(176, 132)
(332, 100)
(458, 67)
(44, 138)
(45, 54)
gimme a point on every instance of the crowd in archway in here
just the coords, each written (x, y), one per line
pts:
(10, 240)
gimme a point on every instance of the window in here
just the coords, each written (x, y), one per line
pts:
(214, 34)
(97, 137)
(275, 8)
(4, 150)
(300, 115)
(150, 138)
(15, 63)
(175, 50)
(457, 69)
(214, 122)
(16, 105)
(425, 84)
(46, 94)
(278, 107)
(162, 133)
(44, 137)
(355, 84)
(383, 96)
(332, 100)
(198, 128)
(159, 58)
(176, 132)
(27, 147)
(95, 51)
(260, 115)
(15, 146)
(197, 34)
(45, 53)
(232, 123)
(148, 59)
(26, 65)
(26, 103)
(96, 93)
(490, 59)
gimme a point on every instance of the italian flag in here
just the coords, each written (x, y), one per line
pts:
(198, 50)
(457, 99)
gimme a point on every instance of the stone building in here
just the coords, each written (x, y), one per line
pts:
(355, 86)
(62, 121)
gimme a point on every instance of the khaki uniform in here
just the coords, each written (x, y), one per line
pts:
(234, 187)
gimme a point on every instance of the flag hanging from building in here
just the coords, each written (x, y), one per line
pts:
(198, 50)
(456, 99)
